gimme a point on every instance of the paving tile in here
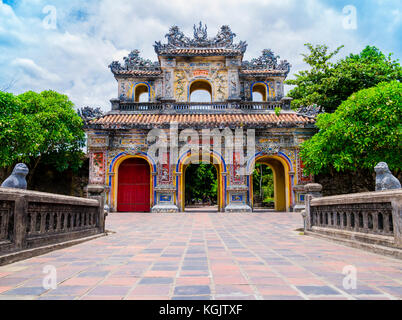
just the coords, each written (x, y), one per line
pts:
(193, 281)
(147, 298)
(151, 281)
(4, 289)
(26, 291)
(158, 289)
(104, 290)
(317, 290)
(191, 298)
(204, 255)
(284, 297)
(69, 290)
(77, 281)
(277, 290)
(101, 298)
(191, 290)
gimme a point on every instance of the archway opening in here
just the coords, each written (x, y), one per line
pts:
(259, 92)
(141, 93)
(263, 187)
(201, 186)
(134, 186)
(279, 178)
(200, 91)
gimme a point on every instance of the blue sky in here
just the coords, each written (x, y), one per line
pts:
(72, 57)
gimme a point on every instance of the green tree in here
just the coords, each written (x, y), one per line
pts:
(40, 127)
(263, 182)
(201, 182)
(327, 84)
(364, 130)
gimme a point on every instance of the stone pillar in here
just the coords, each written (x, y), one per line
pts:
(397, 220)
(233, 65)
(20, 223)
(238, 199)
(313, 190)
(96, 191)
(164, 202)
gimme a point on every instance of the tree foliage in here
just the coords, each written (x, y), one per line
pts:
(201, 183)
(263, 182)
(327, 84)
(40, 127)
(364, 130)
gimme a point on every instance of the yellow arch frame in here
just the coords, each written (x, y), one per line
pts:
(115, 179)
(262, 89)
(278, 190)
(182, 183)
(201, 80)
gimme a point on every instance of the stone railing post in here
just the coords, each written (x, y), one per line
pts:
(313, 190)
(97, 192)
(397, 220)
(20, 209)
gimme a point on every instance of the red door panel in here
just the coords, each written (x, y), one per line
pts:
(133, 193)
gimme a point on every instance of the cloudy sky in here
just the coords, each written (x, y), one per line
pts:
(67, 45)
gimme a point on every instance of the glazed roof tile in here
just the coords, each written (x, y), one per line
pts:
(208, 120)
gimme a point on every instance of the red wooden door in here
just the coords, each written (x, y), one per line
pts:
(133, 186)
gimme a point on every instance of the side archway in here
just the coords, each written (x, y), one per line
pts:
(259, 91)
(282, 180)
(114, 173)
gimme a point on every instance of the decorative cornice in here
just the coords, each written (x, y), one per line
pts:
(267, 61)
(223, 40)
(134, 62)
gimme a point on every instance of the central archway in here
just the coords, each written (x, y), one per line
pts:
(200, 91)
(211, 158)
(201, 186)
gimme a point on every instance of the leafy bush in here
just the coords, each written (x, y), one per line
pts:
(363, 131)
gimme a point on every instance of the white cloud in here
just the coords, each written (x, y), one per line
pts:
(73, 59)
(35, 72)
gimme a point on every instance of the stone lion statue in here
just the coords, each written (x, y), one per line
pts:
(17, 178)
(384, 179)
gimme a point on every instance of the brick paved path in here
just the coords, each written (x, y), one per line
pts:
(204, 255)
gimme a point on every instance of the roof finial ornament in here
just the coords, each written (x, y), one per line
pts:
(200, 33)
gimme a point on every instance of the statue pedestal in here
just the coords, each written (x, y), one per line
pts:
(237, 199)
(164, 202)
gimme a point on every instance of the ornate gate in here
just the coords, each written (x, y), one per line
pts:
(133, 186)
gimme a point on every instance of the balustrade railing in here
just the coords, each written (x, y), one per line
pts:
(359, 215)
(373, 218)
(199, 106)
(30, 219)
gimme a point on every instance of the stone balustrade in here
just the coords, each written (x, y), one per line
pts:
(372, 217)
(200, 106)
(30, 219)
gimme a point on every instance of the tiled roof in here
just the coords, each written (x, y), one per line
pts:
(256, 71)
(207, 120)
(138, 72)
(201, 51)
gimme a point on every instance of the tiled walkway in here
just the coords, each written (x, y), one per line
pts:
(204, 255)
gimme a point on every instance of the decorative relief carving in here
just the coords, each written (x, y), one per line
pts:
(97, 168)
(177, 39)
(98, 141)
(267, 61)
(134, 62)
